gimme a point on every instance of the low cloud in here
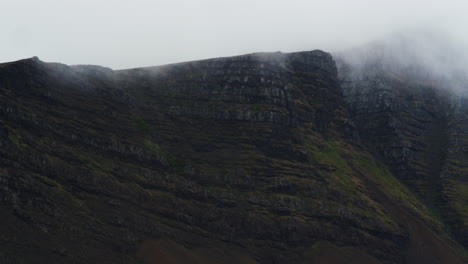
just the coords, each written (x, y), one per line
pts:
(424, 54)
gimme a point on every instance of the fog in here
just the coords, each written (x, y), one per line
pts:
(422, 54)
(126, 34)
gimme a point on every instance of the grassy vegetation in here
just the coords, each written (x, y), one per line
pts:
(345, 165)
(15, 137)
(173, 161)
(259, 107)
(329, 156)
(141, 124)
(94, 163)
(391, 186)
(460, 190)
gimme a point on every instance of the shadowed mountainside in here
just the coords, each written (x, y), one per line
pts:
(247, 159)
(408, 99)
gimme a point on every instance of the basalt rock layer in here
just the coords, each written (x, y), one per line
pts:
(250, 159)
(416, 121)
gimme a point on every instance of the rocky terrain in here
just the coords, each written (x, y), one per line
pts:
(260, 158)
(414, 116)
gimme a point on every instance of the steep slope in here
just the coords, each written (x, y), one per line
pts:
(454, 173)
(248, 159)
(410, 107)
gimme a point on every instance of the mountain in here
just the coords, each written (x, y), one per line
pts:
(408, 96)
(260, 158)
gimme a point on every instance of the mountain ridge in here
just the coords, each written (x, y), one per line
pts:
(254, 157)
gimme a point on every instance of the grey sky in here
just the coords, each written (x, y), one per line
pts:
(133, 33)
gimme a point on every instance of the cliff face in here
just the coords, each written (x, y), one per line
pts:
(248, 159)
(415, 119)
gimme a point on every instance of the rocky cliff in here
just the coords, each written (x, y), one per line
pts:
(413, 115)
(261, 158)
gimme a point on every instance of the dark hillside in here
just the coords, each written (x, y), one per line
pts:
(248, 159)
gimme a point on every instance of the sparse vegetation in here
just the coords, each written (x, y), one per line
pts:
(141, 124)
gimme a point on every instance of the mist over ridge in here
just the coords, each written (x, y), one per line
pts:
(425, 55)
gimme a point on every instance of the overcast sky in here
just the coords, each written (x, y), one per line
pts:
(133, 33)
